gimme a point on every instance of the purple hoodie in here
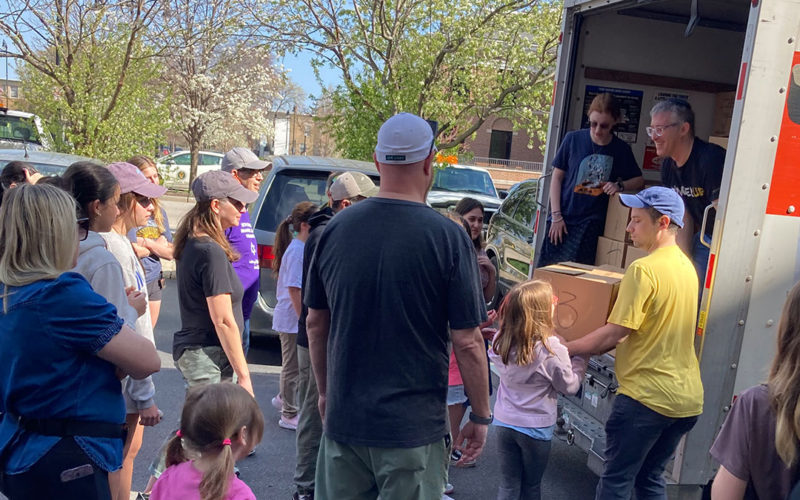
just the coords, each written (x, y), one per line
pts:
(528, 394)
(243, 240)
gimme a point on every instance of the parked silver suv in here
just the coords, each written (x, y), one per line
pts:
(292, 179)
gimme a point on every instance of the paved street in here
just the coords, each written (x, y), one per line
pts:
(269, 472)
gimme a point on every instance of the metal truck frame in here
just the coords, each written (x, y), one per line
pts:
(755, 255)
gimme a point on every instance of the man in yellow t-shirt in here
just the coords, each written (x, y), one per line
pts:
(660, 392)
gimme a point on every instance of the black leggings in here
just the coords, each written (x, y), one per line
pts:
(55, 475)
(522, 463)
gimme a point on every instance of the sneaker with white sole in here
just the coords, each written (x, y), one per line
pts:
(277, 402)
(448, 488)
(288, 423)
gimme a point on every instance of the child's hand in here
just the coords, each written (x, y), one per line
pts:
(488, 333)
(492, 315)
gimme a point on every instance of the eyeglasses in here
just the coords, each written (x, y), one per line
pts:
(83, 228)
(601, 126)
(144, 201)
(658, 130)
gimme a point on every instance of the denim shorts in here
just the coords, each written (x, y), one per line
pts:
(456, 395)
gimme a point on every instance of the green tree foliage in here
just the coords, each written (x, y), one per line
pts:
(459, 62)
(87, 71)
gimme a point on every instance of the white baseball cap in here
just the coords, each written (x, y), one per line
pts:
(403, 139)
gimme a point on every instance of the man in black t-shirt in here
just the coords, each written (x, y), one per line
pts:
(347, 188)
(693, 168)
(387, 278)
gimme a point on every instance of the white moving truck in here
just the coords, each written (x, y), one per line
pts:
(707, 51)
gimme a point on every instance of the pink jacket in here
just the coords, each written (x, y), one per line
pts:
(527, 394)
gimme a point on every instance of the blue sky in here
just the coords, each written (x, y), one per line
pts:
(302, 74)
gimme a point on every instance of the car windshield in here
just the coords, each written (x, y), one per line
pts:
(15, 128)
(464, 180)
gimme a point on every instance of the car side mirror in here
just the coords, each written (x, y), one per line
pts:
(503, 194)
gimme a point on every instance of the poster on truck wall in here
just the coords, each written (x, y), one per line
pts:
(630, 104)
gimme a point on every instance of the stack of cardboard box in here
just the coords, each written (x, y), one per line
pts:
(723, 116)
(615, 248)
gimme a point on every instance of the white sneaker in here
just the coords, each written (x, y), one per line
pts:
(288, 423)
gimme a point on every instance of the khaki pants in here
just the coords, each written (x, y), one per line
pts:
(347, 472)
(309, 425)
(289, 371)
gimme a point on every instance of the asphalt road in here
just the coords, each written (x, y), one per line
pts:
(269, 472)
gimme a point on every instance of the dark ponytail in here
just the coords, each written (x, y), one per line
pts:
(89, 181)
(301, 213)
(13, 173)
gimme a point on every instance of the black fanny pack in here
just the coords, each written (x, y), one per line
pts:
(65, 427)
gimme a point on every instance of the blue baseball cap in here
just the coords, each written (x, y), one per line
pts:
(665, 200)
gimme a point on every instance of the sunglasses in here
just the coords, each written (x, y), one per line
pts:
(238, 205)
(601, 126)
(83, 228)
(246, 173)
(144, 201)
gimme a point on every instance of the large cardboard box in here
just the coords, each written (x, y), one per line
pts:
(723, 113)
(632, 253)
(611, 252)
(585, 294)
(617, 220)
(720, 141)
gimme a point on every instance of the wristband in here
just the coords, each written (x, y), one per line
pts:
(481, 420)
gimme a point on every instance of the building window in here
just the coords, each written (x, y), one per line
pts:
(500, 144)
(13, 92)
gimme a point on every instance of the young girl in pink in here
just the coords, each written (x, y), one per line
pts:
(533, 366)
(220, 424)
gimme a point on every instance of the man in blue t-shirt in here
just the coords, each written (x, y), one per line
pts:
(388, 276)
(693, 168)
(245, 166)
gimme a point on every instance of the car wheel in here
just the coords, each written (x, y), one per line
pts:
(498, 294)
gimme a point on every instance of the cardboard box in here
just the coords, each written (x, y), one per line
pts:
(723, 113)
(632, 253)
(617, 220)
(585, 294)
(611, 252)
(720, 141)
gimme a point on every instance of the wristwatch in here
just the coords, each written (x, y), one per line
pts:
(620, 185)
(481, 420)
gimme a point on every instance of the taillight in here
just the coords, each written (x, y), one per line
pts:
(265, 256)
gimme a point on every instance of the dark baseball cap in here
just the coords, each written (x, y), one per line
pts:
(666, 200)
(217, 185)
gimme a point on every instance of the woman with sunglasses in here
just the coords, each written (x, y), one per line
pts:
(62, 351)
(590, 165)
(152, 241)
(135, 207)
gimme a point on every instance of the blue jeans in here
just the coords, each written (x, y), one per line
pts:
(700, 255)
(246, 337)
(639, 443)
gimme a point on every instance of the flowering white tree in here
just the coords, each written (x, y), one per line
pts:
(222, 82)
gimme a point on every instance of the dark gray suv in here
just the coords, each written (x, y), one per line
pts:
(509, 239)
(292, 179)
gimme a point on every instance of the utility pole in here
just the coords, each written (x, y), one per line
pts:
(5, 56)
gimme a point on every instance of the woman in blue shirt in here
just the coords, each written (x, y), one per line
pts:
(63, 350)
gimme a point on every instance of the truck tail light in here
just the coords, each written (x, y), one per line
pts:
(265, 256)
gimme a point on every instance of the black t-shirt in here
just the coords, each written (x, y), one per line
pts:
(318, 221)
(203, 271)
(393, 275)
(698, 181)
(589, 165)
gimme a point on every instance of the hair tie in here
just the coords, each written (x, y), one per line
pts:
(179, 433)
(226, 442)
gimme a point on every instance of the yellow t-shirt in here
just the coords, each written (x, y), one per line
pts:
(656, 365)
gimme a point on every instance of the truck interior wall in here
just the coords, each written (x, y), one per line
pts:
(612, 41)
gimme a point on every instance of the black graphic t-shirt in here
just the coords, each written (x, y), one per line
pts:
(589, 166)
(698, 181)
